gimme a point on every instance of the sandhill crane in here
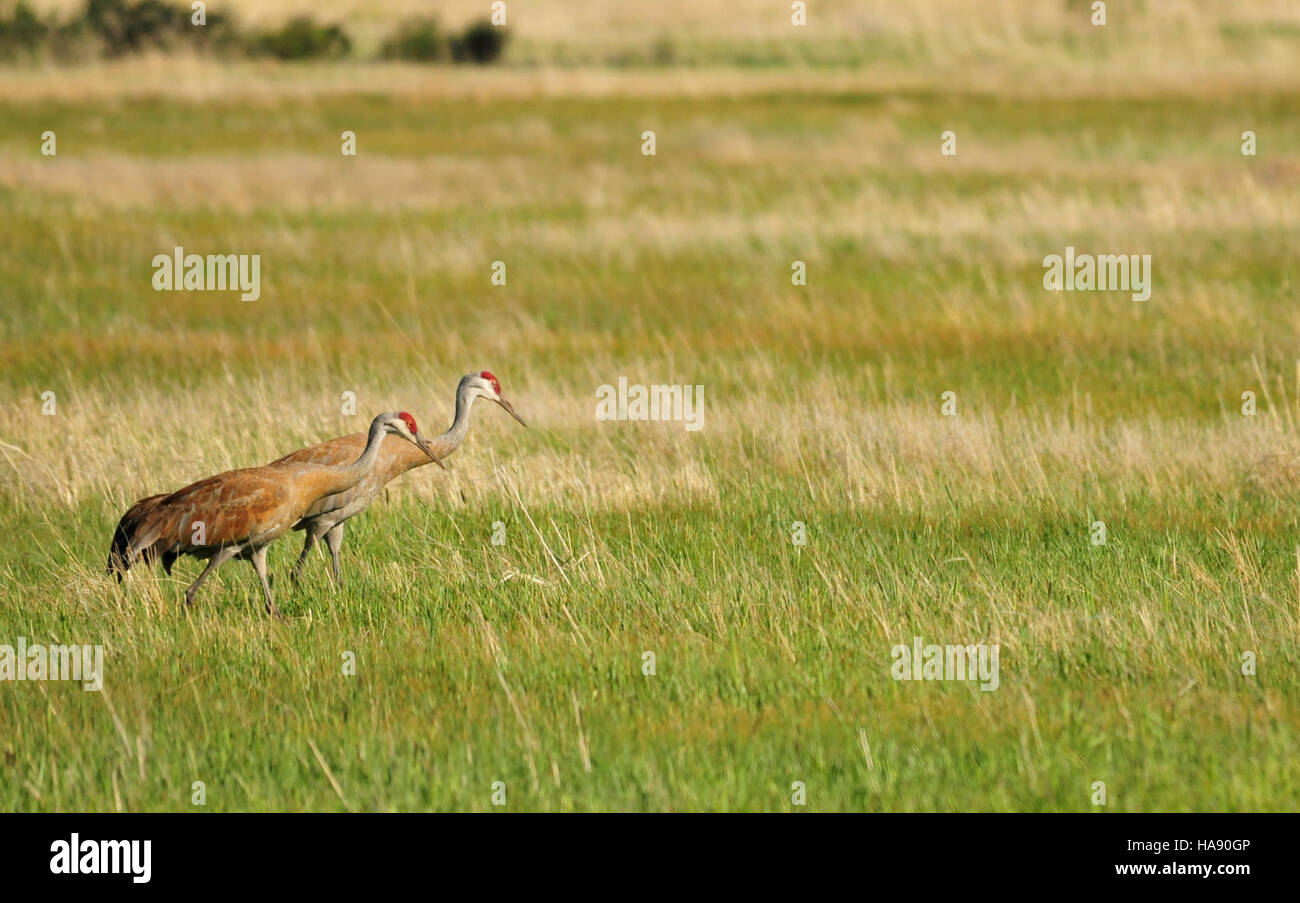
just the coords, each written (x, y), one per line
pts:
(326, 517)
(240, 512)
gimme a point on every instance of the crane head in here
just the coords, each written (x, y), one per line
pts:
(489, 387)
(403, 424)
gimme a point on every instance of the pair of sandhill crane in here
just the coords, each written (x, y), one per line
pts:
(239, 513)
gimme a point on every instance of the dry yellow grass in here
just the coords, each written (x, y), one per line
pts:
(1012, 47)
(898, 455)
(751, 18)
(202, 80)
(1188, 196)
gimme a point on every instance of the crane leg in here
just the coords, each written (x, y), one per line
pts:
(258, 559)
(308, 543)
(334, 540)
(216, 561)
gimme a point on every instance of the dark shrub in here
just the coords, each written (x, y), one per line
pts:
(115, 28)
(72, 41)
(302, 39)
(132, 27)
(481, 43)
(22, 33)
(219, 33)
(418, 40)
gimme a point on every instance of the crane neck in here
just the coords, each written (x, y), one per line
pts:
(361, 466)
(452, 439)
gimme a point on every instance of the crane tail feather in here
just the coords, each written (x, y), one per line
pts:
(135, 535)
(118, 554)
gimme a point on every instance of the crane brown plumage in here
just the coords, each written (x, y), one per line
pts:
(240, 512)
(327, 516)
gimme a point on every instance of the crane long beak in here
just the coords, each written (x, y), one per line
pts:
(424, 447)
(510, 409)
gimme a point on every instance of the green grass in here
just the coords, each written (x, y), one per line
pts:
(522, 663)
(762, 679)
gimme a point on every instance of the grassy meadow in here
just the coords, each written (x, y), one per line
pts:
(522, 663)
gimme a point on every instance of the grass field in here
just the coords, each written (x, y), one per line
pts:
(522, 663)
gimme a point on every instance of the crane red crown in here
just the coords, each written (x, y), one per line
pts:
(410, 423)
(496, 386)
